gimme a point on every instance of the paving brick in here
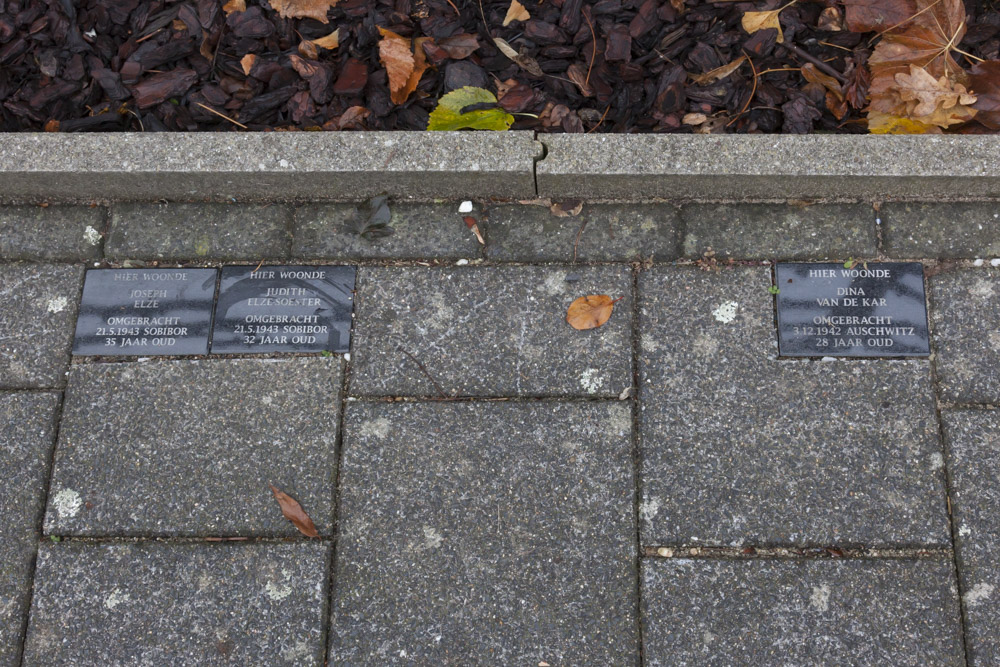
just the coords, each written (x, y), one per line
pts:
(152, 603)
(37, 317)
(190, 447)
(177, 232)
(487, 533)
(488, 331)
(947, 230)
(965, 332)
(818, 612)
(973, 438)
(780, 231)
(419, 231)
(739, 447)
(610, 233)
(27, 431)
(51, 234)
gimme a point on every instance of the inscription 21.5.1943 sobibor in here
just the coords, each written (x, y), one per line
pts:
(875, 309)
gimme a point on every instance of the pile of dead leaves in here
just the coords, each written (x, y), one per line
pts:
(917, 84)
(704, 66)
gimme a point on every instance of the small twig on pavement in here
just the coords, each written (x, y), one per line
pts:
(422, 368)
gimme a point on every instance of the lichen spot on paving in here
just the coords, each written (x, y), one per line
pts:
(591, 380)
(726, 312)
(820, 598)
(57, 305)
(67, 503)
(978, 594)
(91, 235)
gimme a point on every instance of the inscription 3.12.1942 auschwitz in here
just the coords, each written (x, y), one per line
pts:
(875, 309)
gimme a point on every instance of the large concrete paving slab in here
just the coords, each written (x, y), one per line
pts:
(51, 233)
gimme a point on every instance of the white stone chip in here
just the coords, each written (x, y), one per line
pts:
(465, 207)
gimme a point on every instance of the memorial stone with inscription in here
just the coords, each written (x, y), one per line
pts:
(875, 309)
(284, 309)
(139, 312)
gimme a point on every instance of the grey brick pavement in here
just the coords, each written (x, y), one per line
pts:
(973, 438)
(191, 447)
(519, 523)
(154, 603)
(27, 431)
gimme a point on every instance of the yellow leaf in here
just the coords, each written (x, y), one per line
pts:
(754, 21)
(298, 9)
(881, 123)
(719, 73)
(331, 41)
(516, 12)
(234, 6)
(590, 312)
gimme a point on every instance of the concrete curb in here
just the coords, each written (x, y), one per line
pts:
(635, 167)
(268, 166)
(424, 165)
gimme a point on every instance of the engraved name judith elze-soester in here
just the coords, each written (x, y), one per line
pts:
(874, 310)
(283, 309)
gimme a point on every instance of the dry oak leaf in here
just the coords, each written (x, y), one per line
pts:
(299, 9)
(294, 513)
(516, 12)
(877, 15)
(931, 94)
(403, 64)
(590, 312)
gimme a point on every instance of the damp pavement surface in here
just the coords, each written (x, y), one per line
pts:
(489, 485)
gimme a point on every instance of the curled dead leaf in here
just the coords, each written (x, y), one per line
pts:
(234, 6)
(516, 12)
(719, 73)
(527, 63)
(293, 511)
(298, 9)
(694, 118)
(247, 62)
(831, 20)
(591, 311)
(566, 209)
(403, 64)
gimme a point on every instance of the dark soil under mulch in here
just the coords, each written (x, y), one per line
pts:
(110, 65)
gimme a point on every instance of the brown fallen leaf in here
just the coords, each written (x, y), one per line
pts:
(932, 94)
(566, 209)
(294, 513)
(309, 48)
(403, 64)
(590, 312)
(298, 9)
(527, 63)
(473, 225)
(459, 46)
(831, 20)
(516, 12)
(234, 6)
(719, 73)
(985, 80)
(247, 62)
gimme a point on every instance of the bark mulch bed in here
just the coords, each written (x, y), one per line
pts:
(585, 65)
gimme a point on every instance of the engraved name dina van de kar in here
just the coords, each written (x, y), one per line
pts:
(875, 309)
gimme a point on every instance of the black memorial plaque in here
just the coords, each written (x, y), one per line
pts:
(137, 312)
(877, 309)
(284, 309)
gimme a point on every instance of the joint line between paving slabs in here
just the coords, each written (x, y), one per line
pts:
(327, 629)
(40, 525)
(636, 457)
(809, 552)
(953, 530)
